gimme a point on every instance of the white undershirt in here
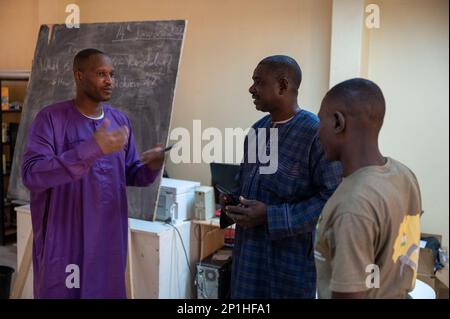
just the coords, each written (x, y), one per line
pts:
(285, 121)
(274, 124)
(95, 117)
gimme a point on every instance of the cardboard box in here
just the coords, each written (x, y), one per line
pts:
(441, 287)
(426, 262)
(442, 275)
(425, 272)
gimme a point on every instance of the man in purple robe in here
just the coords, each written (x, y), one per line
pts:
(79, 159)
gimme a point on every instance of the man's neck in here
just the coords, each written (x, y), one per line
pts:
(285, 112)
(88, 107)
(361, 154)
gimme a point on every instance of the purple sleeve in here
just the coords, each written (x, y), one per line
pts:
(137, 174)
(42, 168)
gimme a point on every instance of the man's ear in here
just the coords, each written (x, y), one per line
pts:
(284, 85)
(78, 75)
(339, 122)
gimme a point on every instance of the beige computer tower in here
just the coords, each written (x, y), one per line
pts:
(205, 205)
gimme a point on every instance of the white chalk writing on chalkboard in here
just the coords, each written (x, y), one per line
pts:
(137, 33)
(159, 63)
(127, 83)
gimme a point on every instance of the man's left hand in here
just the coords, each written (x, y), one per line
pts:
(249, 213)
(154, 157)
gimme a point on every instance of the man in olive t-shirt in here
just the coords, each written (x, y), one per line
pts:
(367, 242)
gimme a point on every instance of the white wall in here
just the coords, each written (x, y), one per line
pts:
(408, 58)
(346, 40)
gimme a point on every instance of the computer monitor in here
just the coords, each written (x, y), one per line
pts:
(226, 175)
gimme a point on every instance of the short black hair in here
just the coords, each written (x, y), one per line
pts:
(360, 97)
(284, 66)
(83, 55)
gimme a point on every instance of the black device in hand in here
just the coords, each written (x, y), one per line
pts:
(232, 200)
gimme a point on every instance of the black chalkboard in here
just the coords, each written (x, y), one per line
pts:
(145, 55)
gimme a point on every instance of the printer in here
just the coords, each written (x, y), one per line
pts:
(176, 200)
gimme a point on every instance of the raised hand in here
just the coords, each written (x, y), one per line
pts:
(112, 141)
(154, 157)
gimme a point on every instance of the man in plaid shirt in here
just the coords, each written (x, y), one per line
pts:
(275, 222)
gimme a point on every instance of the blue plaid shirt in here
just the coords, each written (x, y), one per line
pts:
(276, 260)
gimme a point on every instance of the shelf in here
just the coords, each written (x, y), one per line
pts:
(18, 202)
(10, 231)
(7, 202)
(14, 75)
(11, 111)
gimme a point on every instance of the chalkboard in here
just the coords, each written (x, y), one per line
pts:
(145, 56)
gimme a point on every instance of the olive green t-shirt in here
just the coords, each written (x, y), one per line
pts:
(368, 234)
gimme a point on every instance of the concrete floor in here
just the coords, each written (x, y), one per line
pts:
(8, 257)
